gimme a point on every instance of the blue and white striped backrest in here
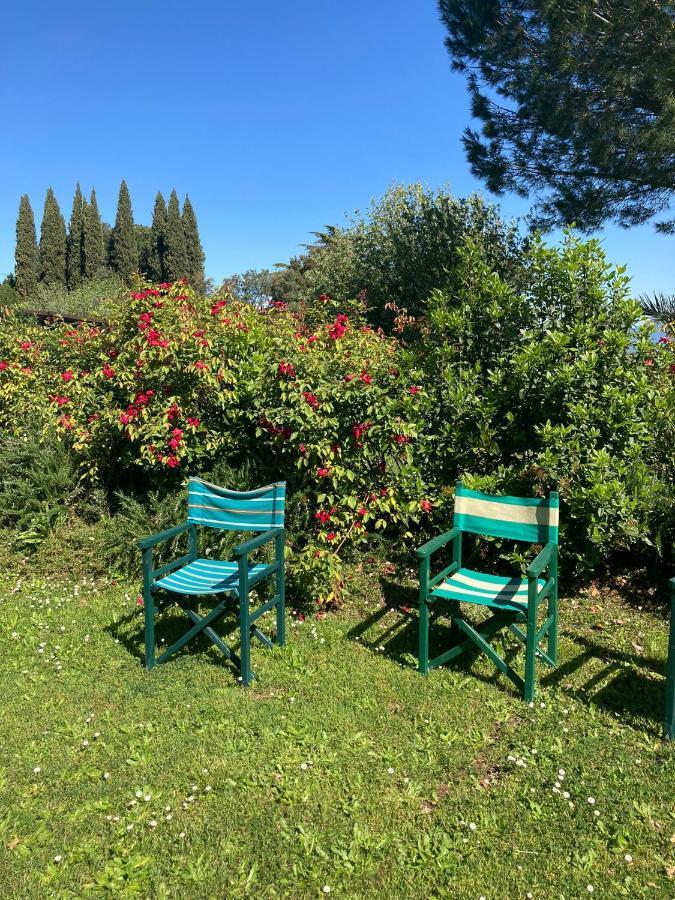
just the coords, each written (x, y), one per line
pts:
(219, 507)
(517, 518)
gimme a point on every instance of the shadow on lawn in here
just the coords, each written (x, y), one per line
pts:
(169, 626)
(634, 694)
(399, 638)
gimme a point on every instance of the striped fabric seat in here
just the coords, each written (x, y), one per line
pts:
(486, 590)
(204, 576)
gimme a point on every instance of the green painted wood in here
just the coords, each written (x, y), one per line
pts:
(152, 540)
(437, 542)
(280, 550)
(531, 641)
(553, 609)
(448, 570)
(486, 629)
(264, 640)
(669, 718)
(491, 653)
(244, 622)
(542, 561)
(172, 566)
(423, 654)
(266, 607)
(148, 609)
(530, 519)
(201, 623)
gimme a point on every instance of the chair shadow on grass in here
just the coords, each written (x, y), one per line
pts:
(632, 693)
(170, 624)
(400, 638)
(616, 688)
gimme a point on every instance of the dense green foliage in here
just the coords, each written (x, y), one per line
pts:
(123, 245)
(176, 263)
(93, 247)
(52, 243)
(193, 248)
(519, 378)
(27, 259)
(74, 261)
(91, 250)
(391, 259)
(575, 102)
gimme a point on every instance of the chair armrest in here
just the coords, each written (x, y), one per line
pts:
(542, 561)
(257, 541)
(436, 543)
(146, 542)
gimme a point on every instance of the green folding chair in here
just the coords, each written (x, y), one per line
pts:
(513, 601)
(191, 576)
(669, 718)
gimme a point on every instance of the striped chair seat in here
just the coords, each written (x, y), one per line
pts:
(204, 576)
(486, 590)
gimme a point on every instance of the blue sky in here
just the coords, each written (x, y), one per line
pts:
(276, 118)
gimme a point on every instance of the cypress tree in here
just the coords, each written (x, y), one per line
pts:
(193, 247)
(93, 251)
(75, 237)
(123, 245)
(175, 253)
(26, 254)
(52, 243)
(159, 238)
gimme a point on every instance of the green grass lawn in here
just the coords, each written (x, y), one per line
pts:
(341, 772)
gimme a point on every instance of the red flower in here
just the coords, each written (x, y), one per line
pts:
(165, 285)
(349, 378)
(323, 472)
(324, 298)
(359, 430)
(172, 412)
(311, 339)
(402, 438)
(3, 365)
(339, 327)
(143, 398)
(67, 375)
(366, 378)
(322, 516)
(302, 448)
(362, 511)
(137, 295)
(425, 505)
(108, 371)
(649, 362)
(113, 354)
(217, 306)
(66, 422)
(287, 369)
(60, 401)
(200, 365)
(172, 461)
(331, 536)
(26, 345)
(414, 389)
(191, 420)
(310, 399)
(279, 304)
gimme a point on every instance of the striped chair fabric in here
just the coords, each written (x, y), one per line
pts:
(486, 590)
(205, 576)
(517, 518)
(217, 507)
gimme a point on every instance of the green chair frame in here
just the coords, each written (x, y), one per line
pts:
(247, 577)
(431, 607)
(669, 717)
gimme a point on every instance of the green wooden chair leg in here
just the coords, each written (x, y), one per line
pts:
(531, 644)
(553, 630)
(423, 662)
(148, 610)
(244, 622)
(281, 592)
(669, 718)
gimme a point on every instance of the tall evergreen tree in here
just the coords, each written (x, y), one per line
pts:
(52, 243)
(193, 247)
(26, 255)
(123, 259)
(93, 250)
(175, 253)
(159, 238)
(75, 238)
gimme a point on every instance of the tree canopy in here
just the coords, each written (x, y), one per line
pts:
(576, 102)
(26, 255)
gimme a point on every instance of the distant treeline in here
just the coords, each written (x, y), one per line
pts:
(168, 249)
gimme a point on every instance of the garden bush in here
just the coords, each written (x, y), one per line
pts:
(544, 380)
